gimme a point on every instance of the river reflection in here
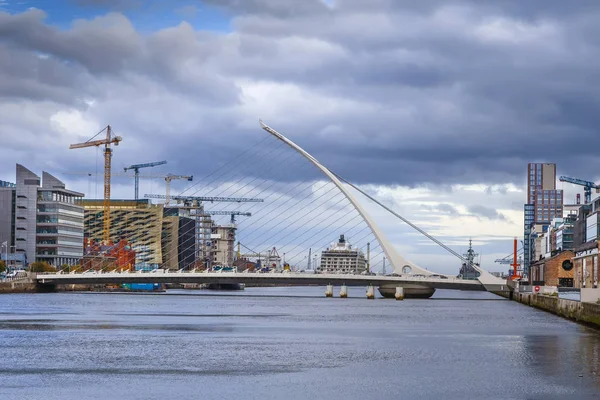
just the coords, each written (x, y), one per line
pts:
(274, 343)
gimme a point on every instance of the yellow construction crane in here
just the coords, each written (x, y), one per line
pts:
(110, 138)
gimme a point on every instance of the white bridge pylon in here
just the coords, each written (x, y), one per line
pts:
(399, 264)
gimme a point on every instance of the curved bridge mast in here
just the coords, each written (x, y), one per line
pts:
(400, 264)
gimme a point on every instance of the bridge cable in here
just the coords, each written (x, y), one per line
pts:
(415, 227)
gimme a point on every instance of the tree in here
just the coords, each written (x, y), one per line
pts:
(41, 266)
(2, 266)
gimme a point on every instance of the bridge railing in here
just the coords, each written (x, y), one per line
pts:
(337, 276)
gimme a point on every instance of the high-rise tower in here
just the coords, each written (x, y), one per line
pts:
(544, 203)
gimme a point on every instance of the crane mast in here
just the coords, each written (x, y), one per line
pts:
(107, 162)
(107, 167)
(136, 169)
(168, 180)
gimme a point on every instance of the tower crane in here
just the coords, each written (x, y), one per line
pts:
(168, 180)
(188, 200)
(232, 213)
(110, 139)
(587, 186)
(136, 169)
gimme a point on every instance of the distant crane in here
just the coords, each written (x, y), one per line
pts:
(168, 180)
(110, 139)
(193, 199)
(270, 257)
(232, 213)
(203, 221)
(252, 254)
(587, 186)
(136, 169)
(515, 262)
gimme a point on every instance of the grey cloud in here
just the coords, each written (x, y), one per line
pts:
(108, 47)
(101, 45)
(475, 210)
(276, 8)
(443, 208)
(486, 212)
(416, 93)
(28, 76)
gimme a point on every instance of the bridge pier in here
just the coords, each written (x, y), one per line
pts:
(411, 291)
(329, 291)
(45, 287)
(399, 293)
(370, 292)
(343, 291)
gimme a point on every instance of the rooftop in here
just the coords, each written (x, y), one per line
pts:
(7, 184)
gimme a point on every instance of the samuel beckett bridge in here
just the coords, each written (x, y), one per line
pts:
(299, 218)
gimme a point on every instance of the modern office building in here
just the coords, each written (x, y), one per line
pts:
(7, 213)
(542, 192)
(186, 241)
(580, 226)
(46, 222)
(564, 233)
(187, 250)
(529, 236)
(169, 242)
(544, 203)
(59, 229)
(592, 221)
(138, 222)
(342, 258)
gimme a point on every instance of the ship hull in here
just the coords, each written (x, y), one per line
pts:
(410, 291)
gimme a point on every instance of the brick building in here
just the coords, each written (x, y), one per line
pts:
(558, 270)
(105, 257)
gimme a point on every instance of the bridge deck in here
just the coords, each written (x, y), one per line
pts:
(291, 278)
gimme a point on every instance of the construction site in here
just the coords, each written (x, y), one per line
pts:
(177, 233)
(185, 230)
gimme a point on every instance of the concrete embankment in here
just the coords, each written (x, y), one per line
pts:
(586, 313)
(18, 286)
(30, 286)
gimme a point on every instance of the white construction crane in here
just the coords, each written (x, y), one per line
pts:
(168, 180)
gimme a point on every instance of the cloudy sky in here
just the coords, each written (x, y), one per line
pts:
(435, 106)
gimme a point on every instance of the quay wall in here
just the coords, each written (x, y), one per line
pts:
(585, 313)
(31, 286)
(18, 286)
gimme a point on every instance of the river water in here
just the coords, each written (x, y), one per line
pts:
(290, 343)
